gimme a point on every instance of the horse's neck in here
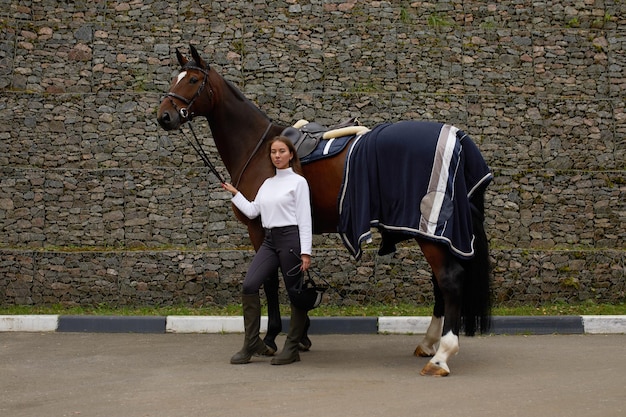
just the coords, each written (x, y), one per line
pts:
(238, 127)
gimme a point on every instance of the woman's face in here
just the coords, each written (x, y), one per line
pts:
(280, 155)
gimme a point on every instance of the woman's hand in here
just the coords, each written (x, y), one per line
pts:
(229, 187)
(306, 262)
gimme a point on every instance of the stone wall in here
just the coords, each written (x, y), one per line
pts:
(99, 205)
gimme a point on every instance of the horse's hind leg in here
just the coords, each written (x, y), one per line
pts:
(305, 343)
(274, 321)
(449, 278)
(450, 283)
(427, 347)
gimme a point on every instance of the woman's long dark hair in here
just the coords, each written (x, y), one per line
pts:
(295, 161)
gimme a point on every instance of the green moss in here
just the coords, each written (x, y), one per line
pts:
(574, 22)
(238, 46)
(571, 282)
(404, 16)
(437, 21)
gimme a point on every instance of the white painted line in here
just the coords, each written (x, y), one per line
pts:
(604, 324)
(403, 325)
(208, 324)
(29, 323)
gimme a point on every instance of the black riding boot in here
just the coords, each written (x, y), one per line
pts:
(252, 324)
(297, 325)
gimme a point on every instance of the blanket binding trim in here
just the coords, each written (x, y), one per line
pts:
(367, 235)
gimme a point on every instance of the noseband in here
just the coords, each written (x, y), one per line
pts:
(184, 112)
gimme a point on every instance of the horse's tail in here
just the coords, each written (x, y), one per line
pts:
(476, 309)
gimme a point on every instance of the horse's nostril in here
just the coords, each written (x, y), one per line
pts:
(164, 120)
(165, 117)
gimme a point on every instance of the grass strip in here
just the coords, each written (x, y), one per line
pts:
(372, 310)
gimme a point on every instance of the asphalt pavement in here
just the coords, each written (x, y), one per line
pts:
(48, 374)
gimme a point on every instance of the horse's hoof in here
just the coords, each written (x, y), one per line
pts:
(305, 344)
(423, 352)
(269, 352)
(271, 344)
(431, 369)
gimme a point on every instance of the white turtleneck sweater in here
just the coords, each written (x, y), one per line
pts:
(282, 200)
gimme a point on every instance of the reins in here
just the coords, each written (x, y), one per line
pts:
(207, 162)
(256, 148)
(200, 151)
(197, 146)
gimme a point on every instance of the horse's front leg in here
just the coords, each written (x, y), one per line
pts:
(274, 321)
(427, 347)
(450, 283)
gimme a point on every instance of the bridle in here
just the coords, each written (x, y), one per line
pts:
(184, 111)
(187, 116)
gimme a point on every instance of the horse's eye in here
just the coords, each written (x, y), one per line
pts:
(193, 80)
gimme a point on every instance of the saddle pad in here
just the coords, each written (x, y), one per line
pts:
(327, 148)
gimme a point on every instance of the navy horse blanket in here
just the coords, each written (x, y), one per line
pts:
(410, 179)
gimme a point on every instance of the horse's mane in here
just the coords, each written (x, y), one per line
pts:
(241, 97)
(192, 64)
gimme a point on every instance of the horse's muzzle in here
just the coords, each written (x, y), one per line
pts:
(169, 119)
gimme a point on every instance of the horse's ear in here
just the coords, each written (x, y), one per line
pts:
(181, 59)
(196, 57)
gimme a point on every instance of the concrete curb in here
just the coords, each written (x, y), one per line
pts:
(39, 323)
(319, 325)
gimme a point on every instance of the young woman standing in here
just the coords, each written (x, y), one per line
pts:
(283, 202)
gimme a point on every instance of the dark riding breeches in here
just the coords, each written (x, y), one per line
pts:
(280, 249)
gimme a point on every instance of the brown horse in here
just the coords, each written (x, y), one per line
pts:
(239, 128)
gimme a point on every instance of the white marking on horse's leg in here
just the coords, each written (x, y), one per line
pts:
(433, 334)
(180, 77)
(438, 365)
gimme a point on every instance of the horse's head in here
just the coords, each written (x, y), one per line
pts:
(188, 94)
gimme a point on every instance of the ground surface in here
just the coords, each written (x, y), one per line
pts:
(187, 375)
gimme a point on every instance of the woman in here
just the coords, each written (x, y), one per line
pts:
(283, 202)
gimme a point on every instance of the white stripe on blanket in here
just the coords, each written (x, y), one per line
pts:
(433, 201)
